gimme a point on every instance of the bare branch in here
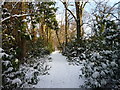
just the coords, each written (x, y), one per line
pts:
(85, 4)
(14, 6)
(69, 10)
(114, 16)
(70, 18)
(113, 6)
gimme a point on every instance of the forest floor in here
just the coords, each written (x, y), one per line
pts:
(61, 74)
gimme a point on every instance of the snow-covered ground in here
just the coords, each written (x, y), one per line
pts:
(61, 74)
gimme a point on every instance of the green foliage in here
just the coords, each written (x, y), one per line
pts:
(10, 66)
(37, 49)
(101, 65)
(99, 56)
(17, 36)
(102, 58)
(50, 47)
(46, 12)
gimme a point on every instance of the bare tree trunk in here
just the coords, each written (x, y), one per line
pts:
(81, 22)
(42, 32)
(23, 40)
(66, 25)
(77, 4)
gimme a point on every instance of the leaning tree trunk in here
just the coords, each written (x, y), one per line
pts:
(66, 25)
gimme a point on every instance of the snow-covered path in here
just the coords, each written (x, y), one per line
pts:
(62, 75)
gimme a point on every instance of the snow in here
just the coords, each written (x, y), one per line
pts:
(104, 65)
(113, 64)
(1, 49)
(20, 15)
(90, 69)
(84, 56)
(2, 53)
(97, 84)
(111, 37)
(95, 74)
(24, 20)
(61, 74)
(10, 69)
(103, 82)
(16, 81)
(96, 54)
(102, 73)
(107, 51)
(30, 73)
(91, 64)
(6, 63)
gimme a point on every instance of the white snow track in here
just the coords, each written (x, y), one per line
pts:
(62, 75)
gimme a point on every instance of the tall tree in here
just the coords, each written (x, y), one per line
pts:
(79, 5)
(66, 21)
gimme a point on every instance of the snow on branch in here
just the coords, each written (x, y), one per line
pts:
(13, 16)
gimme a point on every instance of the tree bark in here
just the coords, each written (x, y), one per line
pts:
(81, 22)
(77, 4)
(66, 25)
(23, 40)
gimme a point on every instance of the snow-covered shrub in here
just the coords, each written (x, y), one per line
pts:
(10, 73)
(75, 52)
(24, 75)
(101, 66)
(31, 70)
(99, 56)
(98, 70)
(70, 51)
